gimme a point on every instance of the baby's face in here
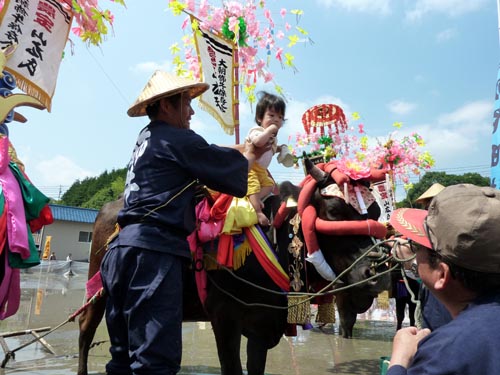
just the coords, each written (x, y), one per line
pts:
(272, 117)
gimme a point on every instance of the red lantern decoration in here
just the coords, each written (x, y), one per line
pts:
(323, 115)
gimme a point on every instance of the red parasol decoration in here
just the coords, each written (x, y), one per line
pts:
(323, 115)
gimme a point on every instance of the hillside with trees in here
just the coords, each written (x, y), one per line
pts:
(94, 192)
(444, 179)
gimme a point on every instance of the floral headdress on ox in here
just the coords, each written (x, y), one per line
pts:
(355, 153)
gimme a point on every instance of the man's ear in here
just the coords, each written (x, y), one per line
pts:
(442, 276)
(165, 105)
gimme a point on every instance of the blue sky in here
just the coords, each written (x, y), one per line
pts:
(430, 64)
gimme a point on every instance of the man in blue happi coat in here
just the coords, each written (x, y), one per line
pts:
(142, 270)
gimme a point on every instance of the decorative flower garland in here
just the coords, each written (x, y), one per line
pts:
(251, 26)
(356, 153)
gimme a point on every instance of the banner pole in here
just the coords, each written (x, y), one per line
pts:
(495, 138)
(236, 97)
(498, 18)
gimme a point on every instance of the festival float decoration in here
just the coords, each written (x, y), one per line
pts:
(248, 33)
(315, 120)
(356, 154)
(33, 35)
(23, 208)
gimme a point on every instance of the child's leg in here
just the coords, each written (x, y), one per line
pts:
(257, 205)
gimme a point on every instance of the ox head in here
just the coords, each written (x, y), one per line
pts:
(341, 250)
(340, 246)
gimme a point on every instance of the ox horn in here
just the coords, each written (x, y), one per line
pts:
(313, 170)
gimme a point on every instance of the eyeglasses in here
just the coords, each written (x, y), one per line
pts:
(415, 246)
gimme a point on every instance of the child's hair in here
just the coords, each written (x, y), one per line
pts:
(268, 101)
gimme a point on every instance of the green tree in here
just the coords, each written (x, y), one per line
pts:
(106, 194)
(93, 192)
(444, 179)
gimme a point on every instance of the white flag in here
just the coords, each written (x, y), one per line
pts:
(384, 197)
(217, 66)
(40, 29)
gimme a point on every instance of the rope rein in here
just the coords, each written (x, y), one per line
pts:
(310, 296)
(117, 227)
(309, 185)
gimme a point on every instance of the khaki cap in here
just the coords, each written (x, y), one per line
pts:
(462, 226)
(162, 85)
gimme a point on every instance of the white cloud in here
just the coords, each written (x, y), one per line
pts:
(460, 138)
(59, 170)
(451, 8)
(365, 6)
(446, 35)
(419, 78)
(400, 107)
(470, 114)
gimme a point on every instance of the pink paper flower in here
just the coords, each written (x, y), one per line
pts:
(353, 168)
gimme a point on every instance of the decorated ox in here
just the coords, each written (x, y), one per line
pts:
(332, 225)
(248, 301)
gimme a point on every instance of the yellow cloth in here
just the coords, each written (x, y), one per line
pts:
(258, 178)
(240, 214)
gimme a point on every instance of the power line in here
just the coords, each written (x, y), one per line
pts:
(295, 176)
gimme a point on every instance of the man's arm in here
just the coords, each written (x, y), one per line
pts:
(250, 151)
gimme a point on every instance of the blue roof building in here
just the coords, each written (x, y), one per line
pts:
(75, 214)
(70, 233)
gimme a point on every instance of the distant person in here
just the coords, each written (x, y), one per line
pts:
(425, 199)
(69, 258)
(403, 297)
(457, 245)
(52, 256)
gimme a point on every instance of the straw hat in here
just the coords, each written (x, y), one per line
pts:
(162, 85)
(430, 193)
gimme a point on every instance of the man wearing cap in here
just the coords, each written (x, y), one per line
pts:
(434, 314)
(142, 269)
(457, 244)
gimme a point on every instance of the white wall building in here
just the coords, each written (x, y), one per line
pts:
(71, 232)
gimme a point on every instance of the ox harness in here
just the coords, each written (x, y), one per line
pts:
(307, 217)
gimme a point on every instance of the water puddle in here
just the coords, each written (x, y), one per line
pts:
(49, 298)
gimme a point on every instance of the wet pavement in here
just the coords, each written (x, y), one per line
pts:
(49, 297)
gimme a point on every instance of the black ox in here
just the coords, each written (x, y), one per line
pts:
(234, 306)
(352, 295)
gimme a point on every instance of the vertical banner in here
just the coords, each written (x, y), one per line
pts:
(217, 67)
(384, 197)
(38, 303)
(495, 140)
(46, 249)
(40, 29)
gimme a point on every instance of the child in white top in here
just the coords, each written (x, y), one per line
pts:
(270, 116)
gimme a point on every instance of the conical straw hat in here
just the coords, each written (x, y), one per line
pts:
(162, 85)
(430, 193)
